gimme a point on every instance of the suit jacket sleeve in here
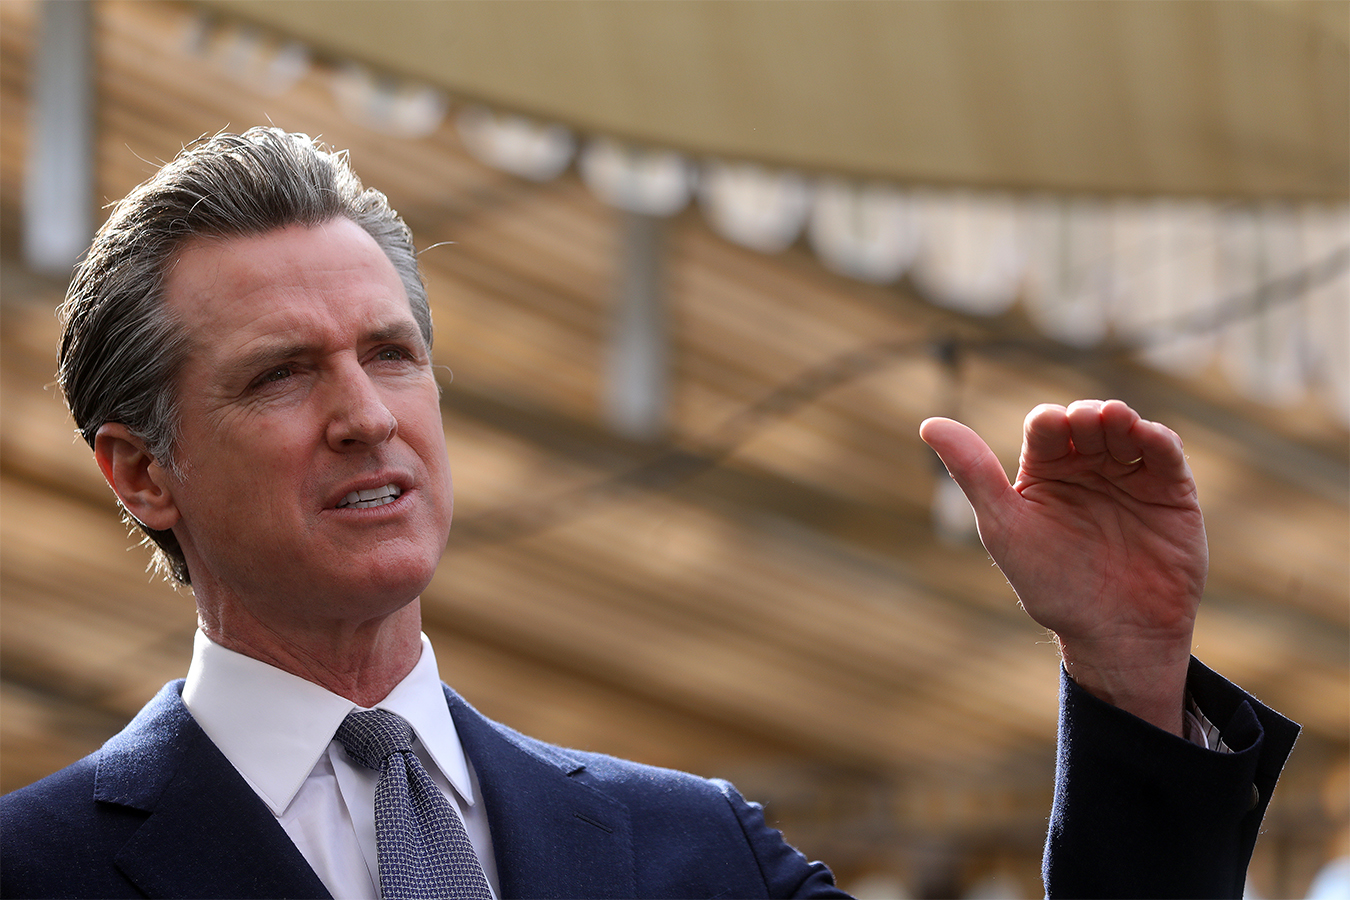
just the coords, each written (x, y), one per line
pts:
(1139, 812)
(786, 872)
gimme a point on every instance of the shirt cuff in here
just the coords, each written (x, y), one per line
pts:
(1200, 730)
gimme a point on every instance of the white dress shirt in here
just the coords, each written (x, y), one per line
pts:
(277, 730)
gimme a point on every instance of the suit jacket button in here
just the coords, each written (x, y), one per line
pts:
(1255, 799)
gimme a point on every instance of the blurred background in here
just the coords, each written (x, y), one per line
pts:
(700, 270)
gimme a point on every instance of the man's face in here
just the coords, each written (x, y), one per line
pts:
(315, 484)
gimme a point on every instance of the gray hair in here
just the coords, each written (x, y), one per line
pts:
(121, 350)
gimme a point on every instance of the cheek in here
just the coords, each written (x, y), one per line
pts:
(421, 427)
(438, 468)
(437, 461)
(254, 469)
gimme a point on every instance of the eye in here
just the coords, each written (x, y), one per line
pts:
(394, 354)
(280, 373)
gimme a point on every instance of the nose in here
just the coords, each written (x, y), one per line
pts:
(357, 414)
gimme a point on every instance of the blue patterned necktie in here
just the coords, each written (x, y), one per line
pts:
(424, 851)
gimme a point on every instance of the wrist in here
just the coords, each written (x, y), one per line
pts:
(1146, 679)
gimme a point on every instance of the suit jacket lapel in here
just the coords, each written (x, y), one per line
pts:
(553, 834)
(207, 834)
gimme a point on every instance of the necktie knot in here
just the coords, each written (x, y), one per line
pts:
(372, 736)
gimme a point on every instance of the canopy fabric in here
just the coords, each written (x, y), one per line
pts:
(1247, 98)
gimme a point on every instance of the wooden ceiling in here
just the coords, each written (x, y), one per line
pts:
(765, 599)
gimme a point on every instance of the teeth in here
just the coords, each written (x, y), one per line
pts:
(365, 499)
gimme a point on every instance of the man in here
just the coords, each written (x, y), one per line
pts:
(247, 350)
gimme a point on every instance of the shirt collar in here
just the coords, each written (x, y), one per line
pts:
(274, 726)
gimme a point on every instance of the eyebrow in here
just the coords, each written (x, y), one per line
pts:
(271, 354)
(245, 367)
(399, 332)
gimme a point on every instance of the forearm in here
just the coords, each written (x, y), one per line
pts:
(1141, 813)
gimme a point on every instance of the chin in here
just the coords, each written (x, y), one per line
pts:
(404, 578)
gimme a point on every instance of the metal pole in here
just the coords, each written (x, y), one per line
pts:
(59, 184)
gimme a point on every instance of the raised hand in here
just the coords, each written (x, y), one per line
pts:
(1102, 538)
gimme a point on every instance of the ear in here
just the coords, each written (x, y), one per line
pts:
(140, 482)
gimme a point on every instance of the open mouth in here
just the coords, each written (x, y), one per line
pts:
(370, 497)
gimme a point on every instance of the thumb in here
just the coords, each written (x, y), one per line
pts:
(969, 461)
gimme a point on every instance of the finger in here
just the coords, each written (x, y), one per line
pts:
(1085, 427)
(1045, 435)
(968, 460)
(1118, 422)
(1161, 450)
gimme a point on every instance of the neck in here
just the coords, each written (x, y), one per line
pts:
(362, 662)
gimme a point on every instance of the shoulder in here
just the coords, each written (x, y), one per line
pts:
(704, 823)
(55, 832)
(633, 783)
(56, 840)
(70, 789)
(689, 834)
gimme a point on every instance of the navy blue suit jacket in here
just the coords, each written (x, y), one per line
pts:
(160, 812)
